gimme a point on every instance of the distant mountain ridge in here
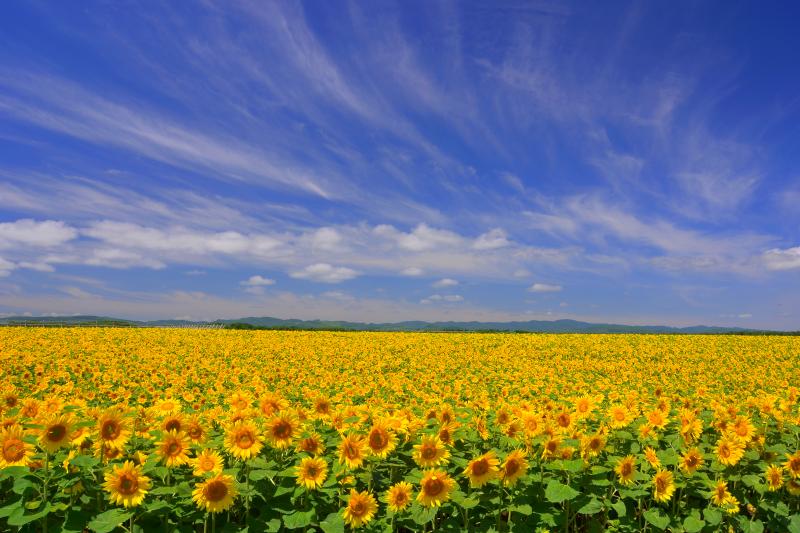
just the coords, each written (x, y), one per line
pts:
(533, 326)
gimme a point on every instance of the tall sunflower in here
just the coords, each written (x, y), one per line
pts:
(729, 450)
(14, 451)
(311, 472)
(55, 433)
(398, 497)
(208, 461)
(435, 488)
(215, 494)
(243, 440)
(361, 508)
(663, 486)
(626, 470)
(380, 440)
(126, 485)
(482, 469)
(112, 429)
(691, 461)
(173, 448)
(430, 452)
(351, 451)
(514, 467)
(282, 430)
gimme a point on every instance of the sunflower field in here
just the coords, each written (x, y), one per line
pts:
(144, 430)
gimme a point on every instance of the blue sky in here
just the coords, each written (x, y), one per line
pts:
(616, 162)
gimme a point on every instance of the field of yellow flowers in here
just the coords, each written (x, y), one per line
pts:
(217, 430)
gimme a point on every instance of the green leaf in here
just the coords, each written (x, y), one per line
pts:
(21, 485)
(557, 492)
(657, 518)
(10, 508)
(109, 521)
(258, 475)
(619, 507)
(712, 516)
(298, 519)
(19, 518)
(593, 506)
(523, 509)
(756, 526)
(794, 524)
(692, 524)
(423, 515)
(333, 523)
(85, 461)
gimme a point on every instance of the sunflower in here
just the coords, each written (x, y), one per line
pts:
(240, 401)
(282, 430)
(729, 450)
(663, 485)
(351, 451)
(652, 457)
(514, 467)
(447, 431)
(774, 475)
(656, 419)
(312, 444)
(550, 447)
(215, 494)
(721, 497)
(55, 433)
(112, 429)
(168, 406)
(172, 422)
(564, 421)
(399, 496)
(743, 429)
(272, 403)
(311, 472)
(435, 488)
(380, 440)
(626, 469)
(207, 462)
(243, 441)
(482, 469)
(361, 507)
(792, 464)
(126, 484)
(430, 452)
(793, 486)
(15, 451)
(691, 461)
(173, 448)
(592, 445)
(620, 416)
(195, 430)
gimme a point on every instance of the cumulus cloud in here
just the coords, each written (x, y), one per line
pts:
(452, 298)
(491, 240)
(445, 282)
(544, 287)
(325, 273)
(421, 238)
(255, 284)
(6, 267)
(31, 233)
(412, 271)
(326, 239)
(257, 281)
(782, 259)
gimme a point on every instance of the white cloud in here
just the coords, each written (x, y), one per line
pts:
(491, 240)
(445, 282)
(544, 287)
(113, 258)
(452, 298)
(28, 232)
(412, 271)
(421, 238)
(786, 259)
(326, 239)
(338, 295)
(6, 267)
(257, 281)
(325, 273)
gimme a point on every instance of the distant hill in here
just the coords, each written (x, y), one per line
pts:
(266, 322)
(537, 326)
